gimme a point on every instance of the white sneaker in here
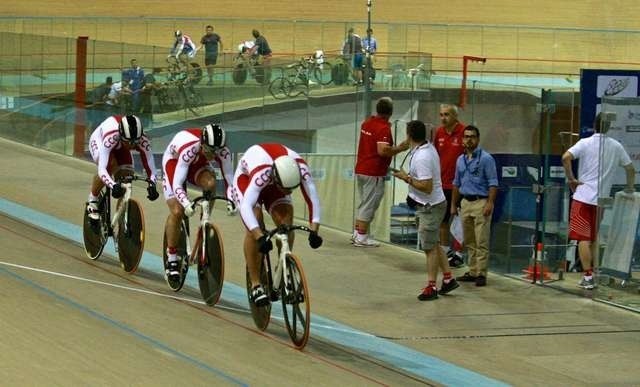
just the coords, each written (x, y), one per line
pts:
(92, 211)
(365, 243)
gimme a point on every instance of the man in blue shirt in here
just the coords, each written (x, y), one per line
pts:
(476, 181)
(135, 75)
(370, 45)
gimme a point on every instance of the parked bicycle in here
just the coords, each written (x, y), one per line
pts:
(287, 283)
(292, 83)
(247, 63)
(207, 252)
(184, 82)
(126, 227)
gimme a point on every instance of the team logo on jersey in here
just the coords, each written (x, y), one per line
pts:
(189, 155)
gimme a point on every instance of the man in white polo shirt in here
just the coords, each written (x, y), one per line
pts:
(584, 217)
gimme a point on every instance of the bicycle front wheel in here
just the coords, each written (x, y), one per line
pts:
(296, 306)
(94, 234)
(279, 88)
(261, 315)
(211, 266)
(131, 236)
(323, 75)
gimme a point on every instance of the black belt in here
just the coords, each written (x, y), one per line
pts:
(473, 198)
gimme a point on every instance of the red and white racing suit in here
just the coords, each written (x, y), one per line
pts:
(184, 44)
(105, 144)
(253, 183)
(183, 161)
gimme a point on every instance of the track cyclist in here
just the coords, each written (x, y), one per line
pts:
(189, 158)
(110, 146)
(266, 175)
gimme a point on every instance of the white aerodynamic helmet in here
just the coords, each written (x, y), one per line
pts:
(286, 172)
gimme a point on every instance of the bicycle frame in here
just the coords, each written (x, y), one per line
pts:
(200, 241)
(281, 234)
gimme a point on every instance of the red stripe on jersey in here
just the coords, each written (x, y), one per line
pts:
(195, 131)
(275, 150)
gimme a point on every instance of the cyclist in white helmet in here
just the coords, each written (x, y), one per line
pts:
(183, 49)
(190, 157)
(110, 146)
(266, 175)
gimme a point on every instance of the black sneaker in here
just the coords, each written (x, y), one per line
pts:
(259, 296)
(481, 280)
(467, 278)
(455, 259)
(447, 287)
(428, 293)
(173, 273)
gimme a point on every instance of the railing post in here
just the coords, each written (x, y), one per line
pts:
(80, 92)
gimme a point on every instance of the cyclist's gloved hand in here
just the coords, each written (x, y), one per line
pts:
(189, 210)
(315, 240)
(152, 192)
(264, 244)
(117, 191)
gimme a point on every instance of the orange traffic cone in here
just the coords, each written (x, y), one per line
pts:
(537, 271)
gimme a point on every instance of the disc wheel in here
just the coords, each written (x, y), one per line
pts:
(239, 74)
(182, 256)
(211, 266)
(94, 233)
(261, 315)
(296, 306)
(131, 235)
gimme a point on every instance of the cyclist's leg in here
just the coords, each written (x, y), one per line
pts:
(282, 213)
(176, 211)
(205, 179)
(251, 254)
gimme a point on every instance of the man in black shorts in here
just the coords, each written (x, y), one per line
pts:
(212, 45)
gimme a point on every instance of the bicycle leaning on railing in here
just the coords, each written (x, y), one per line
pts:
(126, 227)
(183, 81)
(287, 283)
(207, 252)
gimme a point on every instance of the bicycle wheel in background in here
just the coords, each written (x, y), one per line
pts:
(261, 315)
(211, 266)
(296, 306)
(279, 88)
(95, 232)
(323, 75)
(131, 237)
(182, 255)
(239, 74)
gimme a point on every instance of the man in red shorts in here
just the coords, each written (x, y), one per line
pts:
(584, 217)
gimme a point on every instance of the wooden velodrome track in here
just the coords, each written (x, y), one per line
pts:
(70, 321)
(67, 320)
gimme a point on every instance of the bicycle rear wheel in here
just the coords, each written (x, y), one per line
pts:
(131, 237)
(296, 306)
(211, 266)
(182, 255)
(94, 233)
(261, 315)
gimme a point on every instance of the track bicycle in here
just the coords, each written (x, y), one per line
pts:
(292, 83)
(126, 227)
(207, 252)
(317, 68)
(245, 64)
(287, 283)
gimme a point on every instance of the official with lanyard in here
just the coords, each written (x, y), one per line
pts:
(476, 181)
